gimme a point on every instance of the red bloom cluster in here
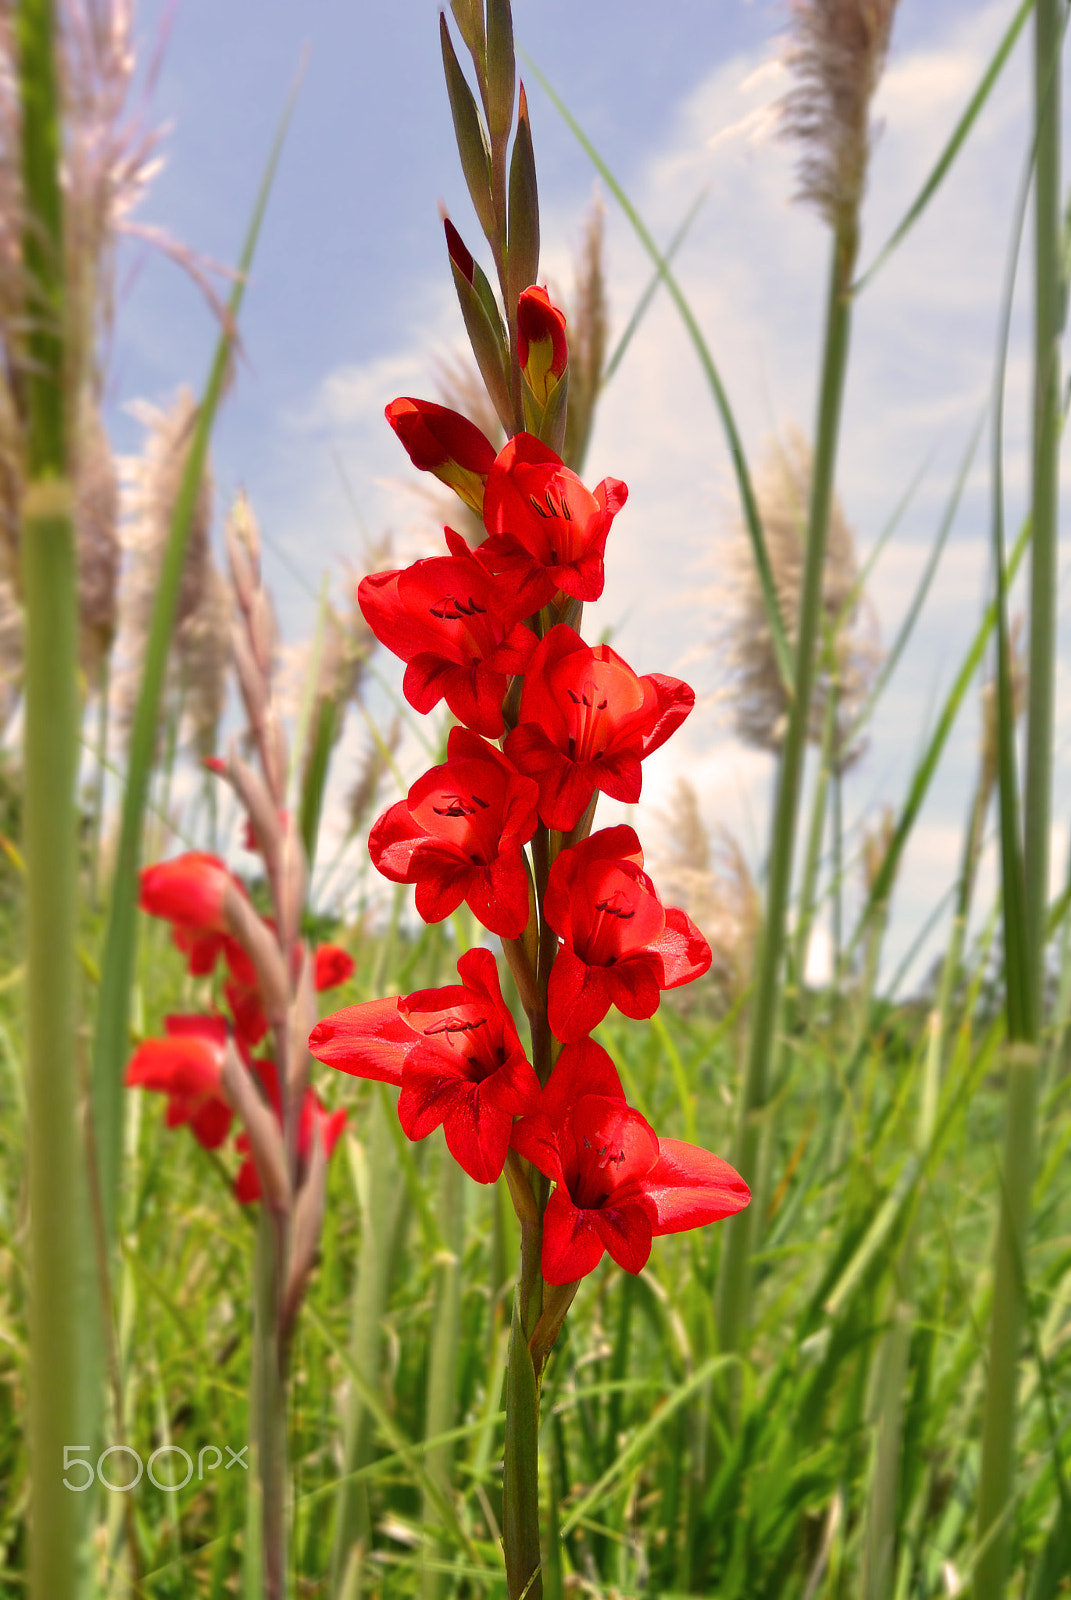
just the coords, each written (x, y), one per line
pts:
(190, 892)
(468, 625)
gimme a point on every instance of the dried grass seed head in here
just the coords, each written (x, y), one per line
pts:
(850, 651)
(589, 331)
(836, 51)
(151, 484)
(705, 871)
(99, 550)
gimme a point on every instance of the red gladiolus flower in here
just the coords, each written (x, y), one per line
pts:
(620, 945)
(586, 723)
(314, 1121)
(333, 966)
(444, 442)
(546, 531)
(187, 891)
(454, 1053)
(617, 1185)
(458, 628)
(458, 836)
(243, 995)
(541, 342)
(187, 1066)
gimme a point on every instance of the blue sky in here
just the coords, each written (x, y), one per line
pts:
(349, 301)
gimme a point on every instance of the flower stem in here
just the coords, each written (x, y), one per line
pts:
(266, 1572)
(741, 1231)
(442, 1366)
(64, 1337)
(997, 1481)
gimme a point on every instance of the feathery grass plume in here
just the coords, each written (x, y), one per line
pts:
(835, 51)
(850, 654)
(151, 483)
(877, 837)
(97, 530)
(370, 773)
(589, 324)
(108, 161)
(706, 874)
(203, 646)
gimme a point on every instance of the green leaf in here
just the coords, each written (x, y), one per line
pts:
(472, 142)
(522, 256)
(501, 71)
(520, 1468)
(487, 339)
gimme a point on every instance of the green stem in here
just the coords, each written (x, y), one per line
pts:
(815, 835)
(742, 1231)
(442, 1367)
(997, 1482)
(63, 1333)
(266, 1560)
(353, 1521)
(879, 1571)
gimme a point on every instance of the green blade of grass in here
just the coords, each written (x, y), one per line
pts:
(774, 619)
(643, 303)
(64, 1336)
(111, 1041)
(927, 766)
(918, 599)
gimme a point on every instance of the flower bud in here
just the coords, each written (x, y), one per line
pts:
(445, 443)
(541, 342)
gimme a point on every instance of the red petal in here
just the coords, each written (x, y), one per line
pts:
(498, 896)
(477, 1135)
(626, 1233)
(675, 701)
(211, 1123)
(247, 1183)
(572, 1246)
(333, 966)
(582, 1068)
(535, 1139)
(369, 1040)
(684, 953)
(188, 889)
(690, 1187)
(578, 997)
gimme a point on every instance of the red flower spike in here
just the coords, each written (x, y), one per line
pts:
(445, 443)
(545, 529)
(454, 1052)
(617, 1184)
(460, 631)
(187, 1066)
(333, 966)
(459, 835)
(620, 946)
(187, 890)
(587, 721)
(541, 343)
(314, 1121)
